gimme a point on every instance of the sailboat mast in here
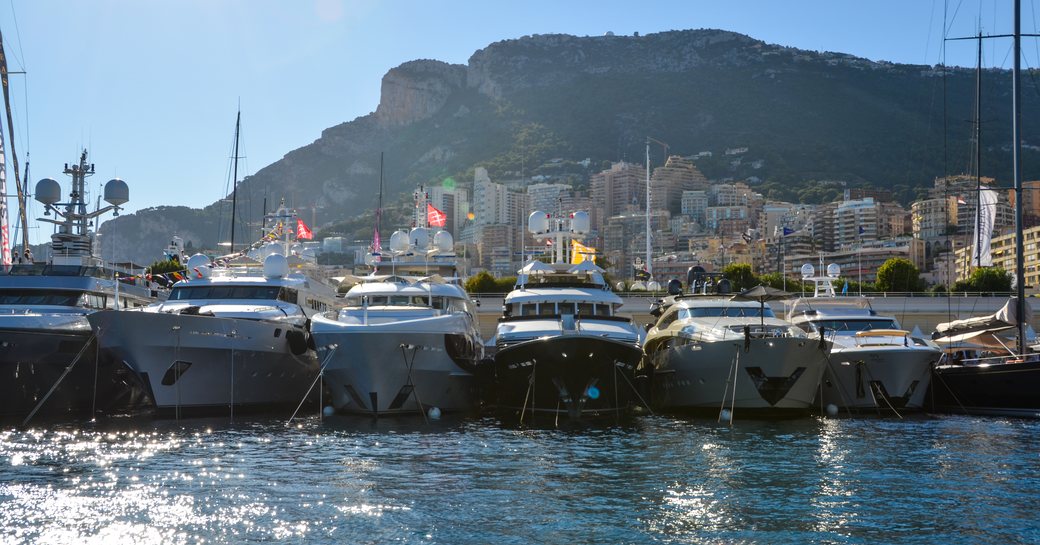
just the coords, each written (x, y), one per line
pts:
(379, 206)
(649, 262)
(234, 180)
(978, 155)
(1016, 154)
(14, 156)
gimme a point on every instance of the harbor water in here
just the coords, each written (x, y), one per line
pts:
(655, 479)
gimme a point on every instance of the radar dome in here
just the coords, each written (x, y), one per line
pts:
(833, 270)
(276, 266)
(580, 222)
(638, 286)
(419, 237)
(443, 241)
(674, 287)
(538, 222)
(808, 271)
(116, 192)
(48, 191)
(620, 286)
(653, 285)
(399, 241)
(198, 263)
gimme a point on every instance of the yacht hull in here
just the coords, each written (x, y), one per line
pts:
(207, 364)
(384, 372)
(1001, 389)
(568, 376)
(877, 379)
(32, 362)
(773, 375)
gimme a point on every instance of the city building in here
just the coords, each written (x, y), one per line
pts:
(670, 181)
(617, 190)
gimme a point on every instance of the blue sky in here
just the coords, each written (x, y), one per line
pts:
(151, 87)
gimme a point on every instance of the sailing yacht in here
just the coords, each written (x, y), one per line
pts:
(991, 376)
(407, 339)
(47, 351)
(561, 349)
(710, 351)
(233, 335)
(873, 364)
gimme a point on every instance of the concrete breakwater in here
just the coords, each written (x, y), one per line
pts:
(923, 312)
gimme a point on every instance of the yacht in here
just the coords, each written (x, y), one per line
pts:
(407, 339)
(874, 363)
(711, 353)
(561, 349)
(47, 351)
(232, 335)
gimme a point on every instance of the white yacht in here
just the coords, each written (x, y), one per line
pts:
(561, 348)
(46, 346)
(232, 335)
(407, 340)
(709, 352)
(874, 363)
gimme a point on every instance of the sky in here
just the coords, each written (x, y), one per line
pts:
(151, 88)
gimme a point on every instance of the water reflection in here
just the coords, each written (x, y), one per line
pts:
(656, 479)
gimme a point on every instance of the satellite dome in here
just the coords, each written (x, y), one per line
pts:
(443, 241)
(276, 266)
(653, 285)
(538, 222)
(399, 241)
(580, 222)
(808, 271)
(116, 192)
(48, 191)
(833, 270)
(198, 263)
(419, 237)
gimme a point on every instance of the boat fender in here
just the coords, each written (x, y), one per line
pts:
(310, 336)
(747, 337)
(823, 338)
(297, 341)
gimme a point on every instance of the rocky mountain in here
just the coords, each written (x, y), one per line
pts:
(804, 116)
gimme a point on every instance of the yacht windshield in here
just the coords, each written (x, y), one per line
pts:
(726, 312)
(226, 292)
(40, 297)
(854, 324)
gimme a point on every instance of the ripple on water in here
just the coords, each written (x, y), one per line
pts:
(655, 480)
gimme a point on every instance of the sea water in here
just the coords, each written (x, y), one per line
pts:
(653, 480)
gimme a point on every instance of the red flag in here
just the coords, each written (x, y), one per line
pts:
(302, 232)
(435, 217)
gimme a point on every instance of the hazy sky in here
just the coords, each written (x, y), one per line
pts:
(151, 88)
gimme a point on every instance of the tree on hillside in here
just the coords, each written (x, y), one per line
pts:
(740, 275)
(898, 274)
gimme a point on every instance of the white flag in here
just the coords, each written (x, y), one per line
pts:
(984, 220)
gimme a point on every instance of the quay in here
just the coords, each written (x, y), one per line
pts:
(924, 311)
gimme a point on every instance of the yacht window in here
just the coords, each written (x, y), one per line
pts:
(39, 297)
(586, 309)
(726, 312)
(288, 295)
(603, 310)
(528, 309)
(854, 324)
(547, 309)
(566, 308)
(439, 303)
(224, 292)
(667, 319)
(377, 300)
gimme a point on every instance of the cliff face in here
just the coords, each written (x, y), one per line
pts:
(804, 115)
(416, 90)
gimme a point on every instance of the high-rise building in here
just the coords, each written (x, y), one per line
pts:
(550, 197)
(693, 205)
(670, 181)
(454, 202)
(619, 189)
